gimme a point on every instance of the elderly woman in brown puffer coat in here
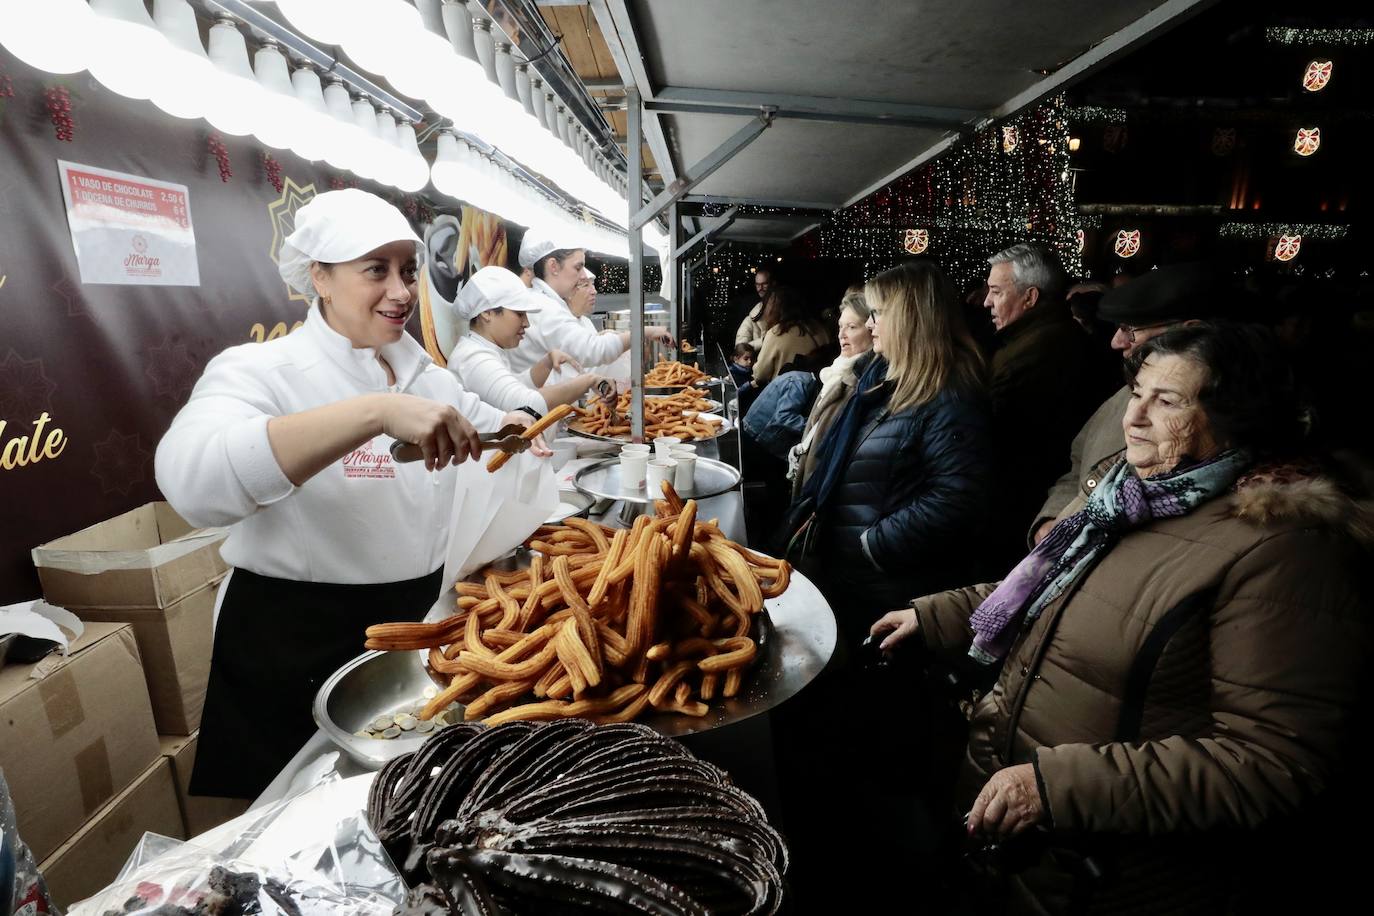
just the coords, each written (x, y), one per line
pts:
(1176, 665)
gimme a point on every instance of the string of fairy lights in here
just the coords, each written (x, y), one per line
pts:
(614, 277)
(1012, 182)
(1006, 184)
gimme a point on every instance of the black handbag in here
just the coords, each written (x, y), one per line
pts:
(799, 535)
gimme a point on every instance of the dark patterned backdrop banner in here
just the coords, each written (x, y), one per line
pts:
(91, 375)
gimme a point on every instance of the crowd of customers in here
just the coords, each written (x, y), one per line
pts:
(1118, 628)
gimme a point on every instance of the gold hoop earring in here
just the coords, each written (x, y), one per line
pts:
(325, 300)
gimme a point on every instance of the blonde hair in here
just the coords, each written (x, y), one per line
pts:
(926, 344)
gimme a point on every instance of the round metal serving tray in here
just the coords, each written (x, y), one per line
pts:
(571, 503)
(795, 645)
(602, 480)
(373, 684)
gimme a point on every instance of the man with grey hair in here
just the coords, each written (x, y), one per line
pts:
(1040, 386)
(1022, 277)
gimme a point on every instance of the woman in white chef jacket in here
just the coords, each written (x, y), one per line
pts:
(558, 267)
(496, 305)
(287, 442)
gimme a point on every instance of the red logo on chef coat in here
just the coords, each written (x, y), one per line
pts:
(368, 461)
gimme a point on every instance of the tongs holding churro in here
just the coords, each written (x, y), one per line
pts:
(506, 439)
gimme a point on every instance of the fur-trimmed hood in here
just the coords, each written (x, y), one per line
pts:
(1302, 493)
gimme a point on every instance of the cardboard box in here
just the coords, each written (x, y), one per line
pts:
(175, 643)
(199, 813)
(74, 739)
(150, 568)
(149, 557)
(90, 860)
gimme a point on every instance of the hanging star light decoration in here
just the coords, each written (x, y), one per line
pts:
(1307, 141)
(1317, 75)
(1127, 243)
(1286, 247)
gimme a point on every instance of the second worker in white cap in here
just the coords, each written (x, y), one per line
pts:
(498, 309)
(558, 266)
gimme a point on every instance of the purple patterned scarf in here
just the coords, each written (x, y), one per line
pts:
(1121, 503)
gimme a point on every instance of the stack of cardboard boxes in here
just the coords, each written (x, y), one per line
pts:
(100, 750)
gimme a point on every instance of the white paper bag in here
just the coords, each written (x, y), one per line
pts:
(494, 513)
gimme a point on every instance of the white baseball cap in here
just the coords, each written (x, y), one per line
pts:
(494, 288)
(339, 226)
(539, 243)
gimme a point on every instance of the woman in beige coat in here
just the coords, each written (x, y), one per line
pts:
(1176, 665)
(791, 333)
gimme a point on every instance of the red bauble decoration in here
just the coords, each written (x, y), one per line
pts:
(221, 153)
(59, 103)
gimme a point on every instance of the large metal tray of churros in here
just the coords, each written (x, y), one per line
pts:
(795, 640)
(796, 636)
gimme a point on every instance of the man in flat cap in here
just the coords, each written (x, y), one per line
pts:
(1141, 309)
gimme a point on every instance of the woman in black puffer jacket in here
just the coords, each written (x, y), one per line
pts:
(902, 484)
(899, 491)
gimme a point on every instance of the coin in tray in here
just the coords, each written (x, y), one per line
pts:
(406, 722)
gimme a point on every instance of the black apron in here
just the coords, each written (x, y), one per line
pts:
(276, 642)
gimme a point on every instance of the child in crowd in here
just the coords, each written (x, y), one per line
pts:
(742, 364)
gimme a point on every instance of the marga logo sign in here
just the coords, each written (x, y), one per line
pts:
(41, 442)
(141, 264)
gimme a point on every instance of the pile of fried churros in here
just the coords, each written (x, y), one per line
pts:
(669, 374)
(670, 415)
(604, 624)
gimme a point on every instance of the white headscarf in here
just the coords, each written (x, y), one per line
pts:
(339, 226)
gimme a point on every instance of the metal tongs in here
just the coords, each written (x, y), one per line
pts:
(606, 389)
(507, 439)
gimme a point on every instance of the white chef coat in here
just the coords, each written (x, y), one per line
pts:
(365, 518)
(484, 369)
(555, 327)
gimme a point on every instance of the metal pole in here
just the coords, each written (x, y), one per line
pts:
(633, 140)
(683, 274)
(670, 272)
